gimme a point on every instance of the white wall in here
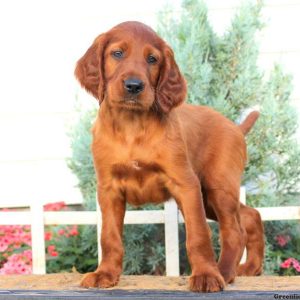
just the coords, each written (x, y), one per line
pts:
(40, 42)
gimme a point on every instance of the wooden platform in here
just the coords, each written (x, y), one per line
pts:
(66, 286)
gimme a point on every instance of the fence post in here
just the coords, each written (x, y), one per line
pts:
(171, 238)
(243, 200)
(38, 238)
(99, 227)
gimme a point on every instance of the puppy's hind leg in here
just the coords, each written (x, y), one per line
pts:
(226, 208)
(252, 222)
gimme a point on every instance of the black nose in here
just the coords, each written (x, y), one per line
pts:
(133, 85)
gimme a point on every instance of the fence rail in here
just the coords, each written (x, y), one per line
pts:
(170, 216)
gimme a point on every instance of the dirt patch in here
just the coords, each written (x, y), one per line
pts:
(70, 281)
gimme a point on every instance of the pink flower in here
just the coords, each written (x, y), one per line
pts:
(5, 209)
(286, 264)
(51, 248)
(74, 231)
(296, 265)
(26, 238)
(61, 231)
(11, 267)
(12, 237)
(15, 237)
(54, 253)
(282, 240)
(27, 254)
(48, 235)
(54, 206)
(17, 245)
(18, 264)
(3, 245)
(291, 262)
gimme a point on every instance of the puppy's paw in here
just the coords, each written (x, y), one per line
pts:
(207, 282)
(228, 274)
(99, 279)
(249, 269)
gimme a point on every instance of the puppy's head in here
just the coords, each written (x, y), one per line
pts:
(131, 67)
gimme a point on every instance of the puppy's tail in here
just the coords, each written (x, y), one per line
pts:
(249, 122)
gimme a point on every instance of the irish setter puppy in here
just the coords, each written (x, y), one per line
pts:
(148, 146)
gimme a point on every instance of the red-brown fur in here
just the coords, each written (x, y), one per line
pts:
(151, 146)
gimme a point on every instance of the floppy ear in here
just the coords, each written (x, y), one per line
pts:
(90, 67)
(171, 87)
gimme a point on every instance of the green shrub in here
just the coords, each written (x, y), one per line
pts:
(71, 248)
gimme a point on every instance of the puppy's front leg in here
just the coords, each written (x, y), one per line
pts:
(109, 271)
(205, 273)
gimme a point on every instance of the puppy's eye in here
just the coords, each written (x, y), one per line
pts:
(151, 59)
(117, 54)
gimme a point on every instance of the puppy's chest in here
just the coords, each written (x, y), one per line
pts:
(141, 182)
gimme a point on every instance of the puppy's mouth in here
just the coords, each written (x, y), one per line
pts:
(131, 103)
(131, 100)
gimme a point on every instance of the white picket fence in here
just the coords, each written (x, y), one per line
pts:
(169, 216)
